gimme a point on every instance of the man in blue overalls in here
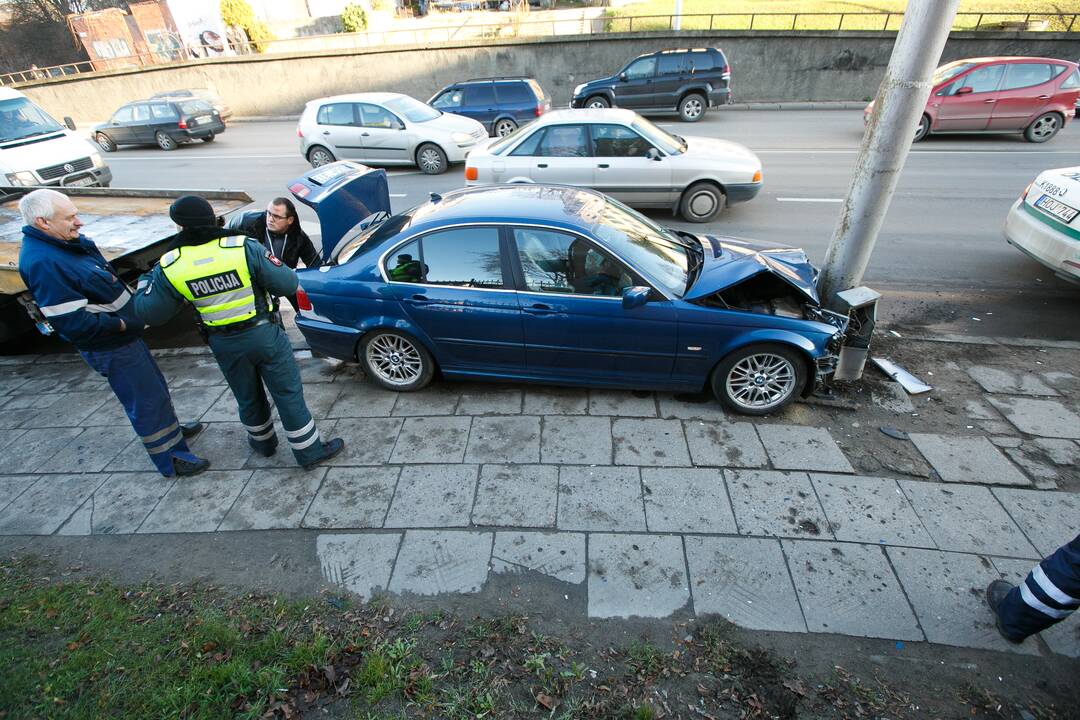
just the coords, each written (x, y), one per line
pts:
(228, 279)
(1048, 595)
(89, 306)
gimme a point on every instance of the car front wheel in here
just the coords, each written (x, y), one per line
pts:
(165, 141)
(1043, 128)
(431, 159)
(319, 156)
(759, 379)
(396, 361)
(597, 101)
(923, 129)
(701, 202)
(692, 108)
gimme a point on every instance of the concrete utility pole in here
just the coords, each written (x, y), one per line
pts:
(897, 111)
(677, 25)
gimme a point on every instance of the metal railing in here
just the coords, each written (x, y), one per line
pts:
(513, 27)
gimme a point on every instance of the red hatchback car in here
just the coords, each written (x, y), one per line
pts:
(1029, 95)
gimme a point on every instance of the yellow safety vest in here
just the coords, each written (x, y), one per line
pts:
(215, 278)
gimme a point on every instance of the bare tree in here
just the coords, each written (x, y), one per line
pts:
(38, 33)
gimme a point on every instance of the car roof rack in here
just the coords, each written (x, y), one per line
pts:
(498, 77)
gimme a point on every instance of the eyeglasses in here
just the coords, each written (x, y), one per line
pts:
(274, 215)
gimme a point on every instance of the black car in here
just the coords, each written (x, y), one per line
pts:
(686, 81)
(167, 122)
(500, 103)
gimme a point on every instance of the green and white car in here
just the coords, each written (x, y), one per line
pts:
(1044, 223)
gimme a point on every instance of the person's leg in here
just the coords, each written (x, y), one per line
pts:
(141, 388)
(238, 366)
(1049, 594)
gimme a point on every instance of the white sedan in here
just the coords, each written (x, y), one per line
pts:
(622, 154)
(1043, 223)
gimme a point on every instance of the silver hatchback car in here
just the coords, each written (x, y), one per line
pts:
(383, 128)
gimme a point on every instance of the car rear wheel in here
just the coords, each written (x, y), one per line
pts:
(923, 128)
(504, 127)
(105, 142)
(1043, 128)
(165, 141)
(431, 159)
(759, 379)
(319, 156)
(210, 138)
(396, 361)
(701, 202)
(597, 101)
(692, 108)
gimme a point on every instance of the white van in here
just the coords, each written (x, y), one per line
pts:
(37, 150)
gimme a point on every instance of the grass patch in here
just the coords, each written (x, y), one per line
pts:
(967, 17)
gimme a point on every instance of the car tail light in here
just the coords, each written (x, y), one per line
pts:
(302, 300)
(539, 109)
(471, 173)
(1023, 195)
(299, 132)
(757, 177)
(182, 124)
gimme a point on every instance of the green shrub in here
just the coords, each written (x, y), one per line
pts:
(239, 12)
(353, 18)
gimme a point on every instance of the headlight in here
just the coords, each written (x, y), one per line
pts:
(461, 138)
(96, 158)
(21, 178)
(578, 89)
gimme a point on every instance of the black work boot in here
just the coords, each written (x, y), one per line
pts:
(187, 468)
(996, 592)
(191, 429)
(262, 449)
(329, 450)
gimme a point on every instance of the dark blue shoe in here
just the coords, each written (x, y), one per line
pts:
(329, 450)
(187, 468)
(191, 429)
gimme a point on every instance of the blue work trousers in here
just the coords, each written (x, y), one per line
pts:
(1048, 595)
(141, 389)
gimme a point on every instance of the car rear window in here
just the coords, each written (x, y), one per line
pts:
(513, 93)
(1021, 75)
(536, 88)
(1072, 82)
(479, 94)
(190, 107)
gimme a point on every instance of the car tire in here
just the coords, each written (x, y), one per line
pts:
(1043, 127)
(923, 129)
(105, 142)
(210, 138)
(692, 107)
(597, 101)
(396, 361)
(702, 202)
(504, 127)
(431, 159)
(319, 156)
(759, 379)
(165, 141)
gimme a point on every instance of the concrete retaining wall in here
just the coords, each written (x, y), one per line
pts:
(766, 66)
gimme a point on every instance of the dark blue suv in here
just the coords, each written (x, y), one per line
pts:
(500, 103)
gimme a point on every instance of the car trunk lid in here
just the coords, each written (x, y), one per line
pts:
(342, 194)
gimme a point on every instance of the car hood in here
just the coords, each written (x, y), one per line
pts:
(730, 261)
(45, 150)
(342, 194)
(449, 122)
(715, 149)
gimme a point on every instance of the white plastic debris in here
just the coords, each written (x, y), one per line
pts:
(909, 382)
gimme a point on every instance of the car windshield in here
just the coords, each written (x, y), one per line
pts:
(646, 245)
(20, 118)
(949, 71)
(671, 144)
(412, 110)
(498, 146)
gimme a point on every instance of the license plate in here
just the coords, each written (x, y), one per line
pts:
(80, 182)
(1058, 209)
(202, 119)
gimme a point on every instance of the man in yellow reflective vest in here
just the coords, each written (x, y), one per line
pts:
(228, 279)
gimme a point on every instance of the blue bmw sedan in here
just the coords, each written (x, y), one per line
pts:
(565, 286)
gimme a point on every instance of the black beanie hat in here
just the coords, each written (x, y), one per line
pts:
(192, 211)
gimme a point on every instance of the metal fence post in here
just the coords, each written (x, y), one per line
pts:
(712, 17)
(794, 20)
(840, 25)
(886, 26)
(752, 16)
(1071, 23)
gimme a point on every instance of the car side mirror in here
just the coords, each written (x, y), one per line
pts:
(966, 90)
(70, 123)
(653, 154)
(622, 76)
(635, 297)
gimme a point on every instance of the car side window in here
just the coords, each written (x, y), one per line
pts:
(479, 95)
(375, 116)
(463, 257)
(1021, 75)
(529, 145)
(449, 99)
(404, 264)
(671, 64)
(618, 141)
(514, 93)
(1072, 82)
(163, 111)
(643, 68)
(700, 62)
(980, 80)
(336, 114)
(564, 141)
(124, 114)
(557, 262)
(142, 113)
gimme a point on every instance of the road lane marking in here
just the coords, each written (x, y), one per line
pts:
(399, 194)
(808, 151)
(813, 200)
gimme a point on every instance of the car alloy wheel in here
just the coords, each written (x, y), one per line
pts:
(691, 108)
(319, 156)
(922, 129)
(505, 127)
(598, 101)
(164, 141)
(1045, 127)
(431, 159)
(759, 379)
(396, 361)
(105, 142)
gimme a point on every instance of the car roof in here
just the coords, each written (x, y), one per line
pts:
(1011, 58)
(563, 205)
(378, 97)
(586, 115)
(505, 78)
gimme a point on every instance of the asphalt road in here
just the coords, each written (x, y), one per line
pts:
(940, 259)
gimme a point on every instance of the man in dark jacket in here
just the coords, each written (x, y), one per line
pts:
(278, 231)
(89, 306)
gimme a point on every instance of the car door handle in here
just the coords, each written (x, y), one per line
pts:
(364, 134)
(539, 309)
(419, 298)
(991, 100)
(1044, 97)
(603, 165)
(541, 165)
(325, 132)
